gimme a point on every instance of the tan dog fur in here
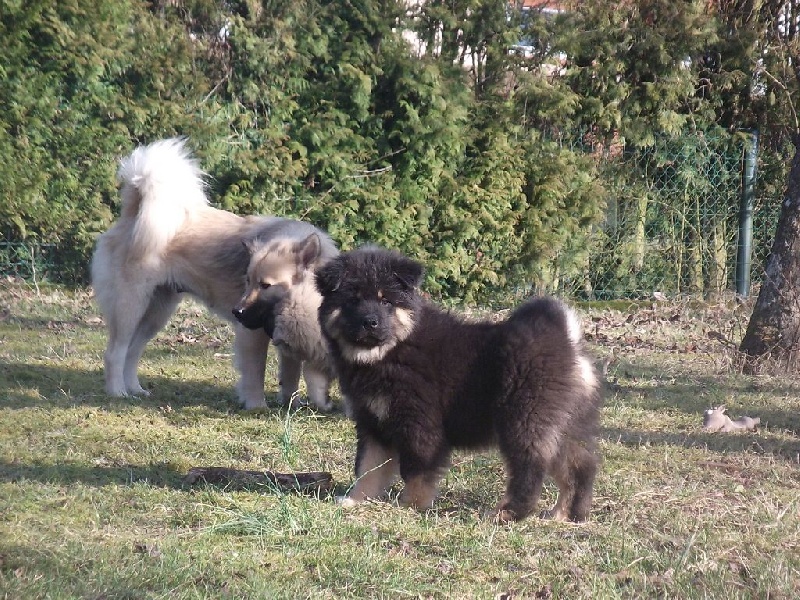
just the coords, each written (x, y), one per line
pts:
(280, 281)
(169, 242)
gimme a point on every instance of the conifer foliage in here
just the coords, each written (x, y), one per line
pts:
(441, 129)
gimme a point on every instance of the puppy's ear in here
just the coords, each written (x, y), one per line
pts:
(409, 272)
(328, 278)
(249, 245)
(308, 250)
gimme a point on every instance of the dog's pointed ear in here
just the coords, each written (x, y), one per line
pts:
(249, 245)
(408, 272)
(328, 278)
(308, 250)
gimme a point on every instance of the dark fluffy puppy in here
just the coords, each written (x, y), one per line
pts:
(422, 382)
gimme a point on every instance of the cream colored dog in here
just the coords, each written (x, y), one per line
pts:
(169, 242)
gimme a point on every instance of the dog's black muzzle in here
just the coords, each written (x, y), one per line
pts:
(257, 317)
(371, 328)
(262, 312)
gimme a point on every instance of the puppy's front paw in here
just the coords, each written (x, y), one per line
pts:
(555, 514)
(346, 501)
(253, 405)
(324, 406)
(501, 514)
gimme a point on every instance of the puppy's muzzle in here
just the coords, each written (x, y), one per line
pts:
(370, 323)
(371, 331)
(257, 317)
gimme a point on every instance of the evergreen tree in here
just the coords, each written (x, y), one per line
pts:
(80, 81)
(635, 66)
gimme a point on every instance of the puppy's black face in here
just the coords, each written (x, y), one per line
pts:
(369, 301)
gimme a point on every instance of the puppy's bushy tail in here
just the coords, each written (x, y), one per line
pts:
(161, 185)
(549, 321)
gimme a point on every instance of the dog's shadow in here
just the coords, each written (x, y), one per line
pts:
(51, 386)
(761, 442)
(155, 475)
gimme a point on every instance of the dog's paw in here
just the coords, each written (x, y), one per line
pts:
(501, 515)
(554, 515)
(296, 402)
(347, 408)
(254, 407)
(325, 407)
(346, 501)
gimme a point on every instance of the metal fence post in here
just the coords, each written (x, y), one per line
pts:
(744, 249)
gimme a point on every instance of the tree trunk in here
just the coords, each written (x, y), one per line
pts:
(774, 330)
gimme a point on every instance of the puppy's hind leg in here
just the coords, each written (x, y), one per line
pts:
(574, 472)
(528, 448)
(160, 309)
(289, 369)
(317, 384)
(250, 348)
(523, 488)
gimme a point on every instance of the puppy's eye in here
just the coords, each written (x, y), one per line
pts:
(264, 285)
(386, 302)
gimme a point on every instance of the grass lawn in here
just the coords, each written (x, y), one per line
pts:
(93, 502)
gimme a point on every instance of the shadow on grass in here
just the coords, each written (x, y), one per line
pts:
(54, 323)
(59, 386)
(156, 475)
(698, 393)
(756, 442)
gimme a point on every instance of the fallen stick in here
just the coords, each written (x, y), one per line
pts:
(318, 482)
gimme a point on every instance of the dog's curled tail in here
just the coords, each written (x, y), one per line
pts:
(161, 184)
(547, 314)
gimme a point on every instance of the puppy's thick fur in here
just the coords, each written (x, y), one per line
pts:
(169, 242)
(281, 298)
(422, 382)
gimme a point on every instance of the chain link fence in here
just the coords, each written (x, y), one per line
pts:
(671, 225)
(42, 261)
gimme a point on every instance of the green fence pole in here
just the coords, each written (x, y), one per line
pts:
(744, 250)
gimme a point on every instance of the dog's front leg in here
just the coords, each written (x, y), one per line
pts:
(114, 361)
(250, 357)
(421, 473)
(376, 471)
